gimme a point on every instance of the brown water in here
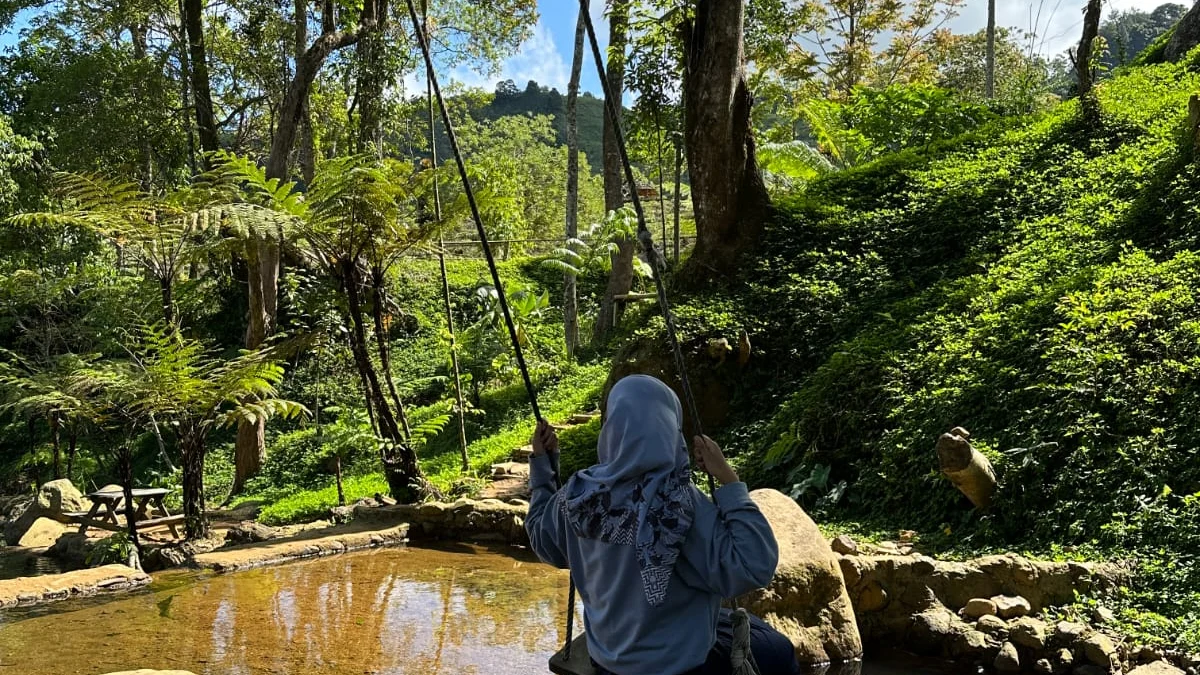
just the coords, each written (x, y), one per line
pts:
(388, 611)
(459, 611)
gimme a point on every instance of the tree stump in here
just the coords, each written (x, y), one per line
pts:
(966, 467)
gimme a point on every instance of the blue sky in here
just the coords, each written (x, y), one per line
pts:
(546, 56)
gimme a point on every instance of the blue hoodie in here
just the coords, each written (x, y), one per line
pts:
(728, 550)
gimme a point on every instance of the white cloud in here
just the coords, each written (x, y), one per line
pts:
(537, 59)
(1056, 23)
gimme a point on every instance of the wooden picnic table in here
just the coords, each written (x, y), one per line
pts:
(108, 504)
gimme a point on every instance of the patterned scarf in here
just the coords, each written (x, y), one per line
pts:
(640, 493)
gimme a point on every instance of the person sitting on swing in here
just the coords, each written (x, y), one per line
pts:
(651, 555)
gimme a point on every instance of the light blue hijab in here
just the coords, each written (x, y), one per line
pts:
(639, 494)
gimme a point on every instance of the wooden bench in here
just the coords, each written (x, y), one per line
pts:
(169, 521)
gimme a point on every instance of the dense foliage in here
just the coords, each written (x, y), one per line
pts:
(1035, 284)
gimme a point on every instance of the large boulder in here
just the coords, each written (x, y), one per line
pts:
(42, 534)
(1185, 35)
(61, 496)
(72, 548)
(807, 600)
(54, 500)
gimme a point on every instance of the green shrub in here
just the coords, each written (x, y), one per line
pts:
(577, 448)
(307, 505)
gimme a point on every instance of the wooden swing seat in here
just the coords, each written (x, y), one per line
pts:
(580, 662)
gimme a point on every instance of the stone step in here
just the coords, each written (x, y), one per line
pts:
(507, 488)
(583, 418)
(522, 454)
(505, 469)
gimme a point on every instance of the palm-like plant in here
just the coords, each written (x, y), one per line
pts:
(358, 218)
(44, 394)
(182, 382)
(163, 233)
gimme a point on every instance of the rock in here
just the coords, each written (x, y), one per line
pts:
(1061, 661)
(72, 548)
(888, 548)
(249, 532)
(1156, 668)
(344, 514)
(977, 607)
(807, 600)
(1011, 606)
(908, 536)
(1067, 632)
(1043, 667)
(971, 643)
(1184, 37)
(54, 499)
(1098, 649)
(1089, 669)
(1103, 615)
(1028, 632)
(61, 496)
(992, 625)
(936, 630)
(1008, 660)
(1150, 654)
(42, 534)
(873, 598)
(845, 545)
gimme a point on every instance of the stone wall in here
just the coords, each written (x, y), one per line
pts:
(463, 520)
(27, 591)
(888, 590)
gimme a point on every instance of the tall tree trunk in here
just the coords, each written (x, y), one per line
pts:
(1083, 60)
(262, 253)
(405, 480)
(570, 294)
(137, 35)
(991, 50)
(125, 469)
(337, 473)
(262, 273)
(662, 197)
(620, 279)
(206, 123)
(678, 194)
(371, 79)
(194, 518)
(729, 197)
(437, 214)
(185, 89)
(306, 154)
(168, 302)
(383, 347)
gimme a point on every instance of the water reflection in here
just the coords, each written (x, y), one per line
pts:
(375, 613)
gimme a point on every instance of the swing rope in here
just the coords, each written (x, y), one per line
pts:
(743, 659)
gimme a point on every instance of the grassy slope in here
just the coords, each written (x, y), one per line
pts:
(1037, 284)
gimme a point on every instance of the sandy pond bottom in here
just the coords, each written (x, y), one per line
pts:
(460, 610)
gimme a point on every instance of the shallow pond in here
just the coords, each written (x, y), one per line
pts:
(391, 611)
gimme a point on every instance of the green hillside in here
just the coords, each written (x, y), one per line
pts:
(1037, 283)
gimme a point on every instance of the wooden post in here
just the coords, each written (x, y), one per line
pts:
(966, 467)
